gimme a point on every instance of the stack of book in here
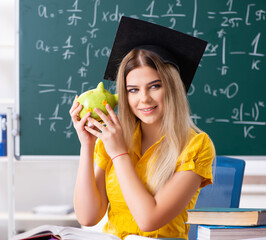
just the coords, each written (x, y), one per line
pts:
(229, 223)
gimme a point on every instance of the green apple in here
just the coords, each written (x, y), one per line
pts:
(96, 98)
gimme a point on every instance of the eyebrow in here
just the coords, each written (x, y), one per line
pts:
(150, 83)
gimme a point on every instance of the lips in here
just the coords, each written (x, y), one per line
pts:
(147, 109)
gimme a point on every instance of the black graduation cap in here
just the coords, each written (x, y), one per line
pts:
(177, 48)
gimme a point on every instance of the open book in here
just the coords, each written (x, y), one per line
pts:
(51, 232)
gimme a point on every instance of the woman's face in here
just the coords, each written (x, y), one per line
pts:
(146, 95)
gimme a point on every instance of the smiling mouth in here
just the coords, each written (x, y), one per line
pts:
(148, 109)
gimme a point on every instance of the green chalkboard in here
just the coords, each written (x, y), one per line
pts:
(64, 47)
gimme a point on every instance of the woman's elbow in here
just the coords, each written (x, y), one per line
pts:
(147, 228)
(87, 222)
(148, 225)
(88, 218)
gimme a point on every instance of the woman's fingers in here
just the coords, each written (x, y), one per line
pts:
(85, 118)
(92, 131)
(101, 114)
(75, 111)
(112, 114)
(95, 123)
(73, 107)
(106, 119)
(109, 120)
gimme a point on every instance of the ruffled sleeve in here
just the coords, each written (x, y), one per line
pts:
(101, 158)
(198, 157)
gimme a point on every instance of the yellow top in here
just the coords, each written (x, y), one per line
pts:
(197, 156)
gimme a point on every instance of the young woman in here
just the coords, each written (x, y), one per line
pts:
(151, 160)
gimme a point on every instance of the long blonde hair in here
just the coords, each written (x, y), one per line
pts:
(176, 122)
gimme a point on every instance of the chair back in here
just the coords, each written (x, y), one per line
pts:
(226, 189)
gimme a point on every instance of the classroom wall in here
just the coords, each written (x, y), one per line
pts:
(7, 38)
(6, 85)
(52, 182)
(36, 183)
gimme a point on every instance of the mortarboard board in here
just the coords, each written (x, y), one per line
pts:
(177, 48)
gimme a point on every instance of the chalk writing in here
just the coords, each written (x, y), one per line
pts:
(71, 42)
(230, 91)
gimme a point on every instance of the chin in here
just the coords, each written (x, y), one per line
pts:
(151, 122)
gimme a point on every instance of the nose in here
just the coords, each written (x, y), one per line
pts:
(145, 96)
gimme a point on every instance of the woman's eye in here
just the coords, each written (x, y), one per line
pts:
(156, 86)
(132, 90)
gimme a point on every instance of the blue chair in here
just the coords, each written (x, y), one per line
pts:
(226, 189)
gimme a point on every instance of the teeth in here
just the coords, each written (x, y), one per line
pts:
(146, 110)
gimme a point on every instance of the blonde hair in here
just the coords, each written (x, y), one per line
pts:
(176, 121)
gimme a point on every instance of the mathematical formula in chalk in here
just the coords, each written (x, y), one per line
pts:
(72, 40)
